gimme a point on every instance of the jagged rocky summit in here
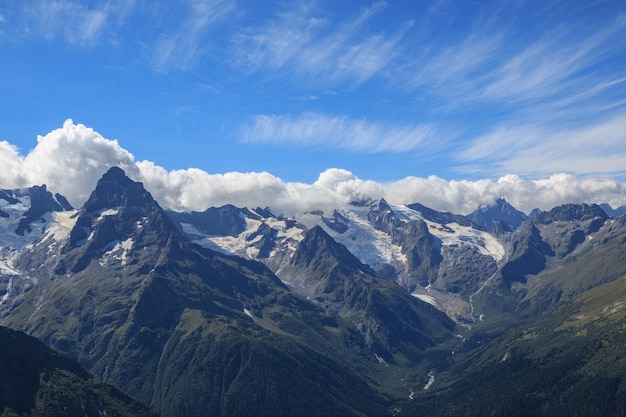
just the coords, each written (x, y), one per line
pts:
(371, 309)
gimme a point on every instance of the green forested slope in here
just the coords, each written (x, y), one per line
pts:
(35, 381)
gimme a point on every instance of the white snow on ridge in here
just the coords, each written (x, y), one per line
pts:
(240, 244)
(226, 244)
(8, 225)
(371, 246)
(54, 225)
(286, 237)
(374, 247)
(405, 213)
(16, 209)
(455, 234)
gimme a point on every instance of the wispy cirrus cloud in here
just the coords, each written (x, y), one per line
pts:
(66, 20)
(308, 44)
(169, 36)
(183, 44)
(492, 87)
(597, 148)
(497, 64)
(561, 64)
(313, 129)
(543, 101)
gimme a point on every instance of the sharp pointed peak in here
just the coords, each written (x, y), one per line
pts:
(115, 189)
(114, 172)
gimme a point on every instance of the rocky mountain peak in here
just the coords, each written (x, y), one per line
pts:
(572, 212)
(118, 210)
(501, 211)
(30, 204)
(380, 206)
(115, 189)
(318, 245)
(227, 220)
(438, 216)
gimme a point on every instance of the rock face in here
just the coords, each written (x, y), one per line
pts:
(343, 311)
(439, 217)
(463, 270)
(21, 208)
(557, 345)
(25, 216)
(549, 237)
(567, 226)
(393, 324)
(118, 287)
(500, 212)
(222, 221)
(421, 249)
(119, 216)
(527, 256)
(613, 212)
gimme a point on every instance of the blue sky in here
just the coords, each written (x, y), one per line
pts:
(460, 90)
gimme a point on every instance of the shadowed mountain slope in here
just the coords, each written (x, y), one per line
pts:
(35, 381)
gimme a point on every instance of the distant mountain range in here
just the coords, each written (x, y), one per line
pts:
(371, 309)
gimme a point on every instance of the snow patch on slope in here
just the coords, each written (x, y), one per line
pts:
(453, 234)
(60, 225)
(371, 246)
(5, 269)
(8, 225)
(118, 252)
(426, 298)
(54, 225)
(108, 212)
(226, 244)
(286, 237)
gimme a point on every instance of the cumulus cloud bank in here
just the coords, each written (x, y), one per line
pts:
(70, 160)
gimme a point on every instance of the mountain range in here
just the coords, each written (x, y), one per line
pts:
(372, 309)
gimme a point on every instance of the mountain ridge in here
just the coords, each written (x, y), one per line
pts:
(193, 313)
(123, 287)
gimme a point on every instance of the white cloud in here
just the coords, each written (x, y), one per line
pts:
(12, 172)
(194, 189)
(554, 66)
(184, 44)
(168, 35)
(309, 129)
(550, 71)
(68, 160)
(72, 21)
(309, 44)
(71, 159)
(598, 148)
(465, 196)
